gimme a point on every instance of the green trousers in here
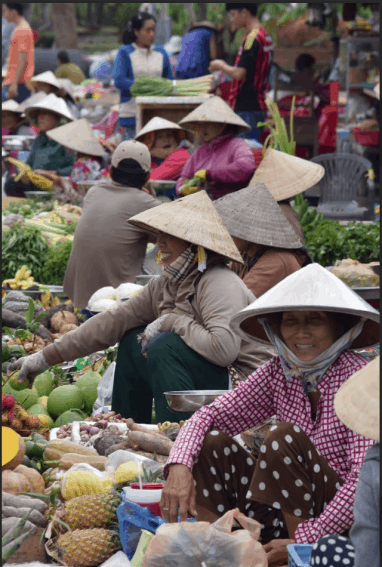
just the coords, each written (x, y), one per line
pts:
(170, 365)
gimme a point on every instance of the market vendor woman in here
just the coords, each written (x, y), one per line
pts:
(138, 56)
(174, 334)
(303, 483)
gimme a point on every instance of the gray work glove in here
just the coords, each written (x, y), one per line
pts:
(30, 366)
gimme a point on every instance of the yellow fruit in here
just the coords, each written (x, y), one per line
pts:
(87, 548)
(126, 472)
(43, 401)
(44, 420)
(92, 511)
(78, 483)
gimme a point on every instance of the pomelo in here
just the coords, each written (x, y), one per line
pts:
(69, 417)
(37, 408)
(62, 399)
(46, 420)
(16, 385)
(87, 384)
(27, 398)
(43, 401)
(44, 383)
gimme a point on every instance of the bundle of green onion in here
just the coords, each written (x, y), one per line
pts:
(157, 86)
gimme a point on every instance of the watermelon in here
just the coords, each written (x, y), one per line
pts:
(62, 399)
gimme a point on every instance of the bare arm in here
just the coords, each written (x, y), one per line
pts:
(21, 65)
(236, 73)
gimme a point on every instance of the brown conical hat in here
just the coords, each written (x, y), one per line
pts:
(357, 401)
(286, 176)
(11, 106)
(156, 124)
(254, 215)
(47, 77)
(78, 136)
(49, 102)
(312, 288)
(214, 109)
(30, 101)
(192, 218)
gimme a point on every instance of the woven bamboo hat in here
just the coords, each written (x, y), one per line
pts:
(357, 401)
(49, 102)
(192, 218)
(67, 87)
(11, 106)
(156, 124)
(30, 101)
(78, 136)
(312, 288)
(254, 215)
(214, 109)
(47, 77)
(286, 176)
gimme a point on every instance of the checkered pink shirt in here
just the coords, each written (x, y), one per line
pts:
(266, 393)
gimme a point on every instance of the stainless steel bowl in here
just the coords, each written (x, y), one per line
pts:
(191, 400)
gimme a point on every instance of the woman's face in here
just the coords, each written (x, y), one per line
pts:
(146, 35)
(9, 120)
(308, 333)
(208, 131)
(44, 88)
(165, 140)
(47, 120)
(170, 247)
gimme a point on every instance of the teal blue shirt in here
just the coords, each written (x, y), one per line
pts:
(50, 155)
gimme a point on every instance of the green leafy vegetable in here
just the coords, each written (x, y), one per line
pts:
(23, 245)
(56, 263)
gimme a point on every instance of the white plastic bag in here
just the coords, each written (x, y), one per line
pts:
(105, 389)
(120, 457)
(119, 559)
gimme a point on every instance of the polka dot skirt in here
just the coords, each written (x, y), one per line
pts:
(332, 551)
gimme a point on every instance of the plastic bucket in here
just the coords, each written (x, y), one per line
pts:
(148, 497)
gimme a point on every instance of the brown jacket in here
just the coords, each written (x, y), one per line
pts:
(107, 249)
(206, 302)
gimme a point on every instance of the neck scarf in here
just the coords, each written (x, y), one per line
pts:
(310, 373)
(179, 269)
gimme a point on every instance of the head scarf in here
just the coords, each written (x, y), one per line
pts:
(310, 373)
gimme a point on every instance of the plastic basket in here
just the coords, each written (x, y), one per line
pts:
(366, 138)
(299, 555)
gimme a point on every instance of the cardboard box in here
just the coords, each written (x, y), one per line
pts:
(31, 550)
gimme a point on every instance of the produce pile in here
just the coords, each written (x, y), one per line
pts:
(157, 86)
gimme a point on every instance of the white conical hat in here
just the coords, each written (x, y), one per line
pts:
(47, 77)
(312, 288)
(30, 101)
(156, 124)
(214, 109)
(50, 102)
(78, 136)
(68, 86)
(11, 106)
(357, 401)
(286, 176)
(255, 216)
(192, 218)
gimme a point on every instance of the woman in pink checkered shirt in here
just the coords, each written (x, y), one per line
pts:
(302, 484)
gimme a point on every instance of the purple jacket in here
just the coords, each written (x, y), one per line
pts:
(229, 162)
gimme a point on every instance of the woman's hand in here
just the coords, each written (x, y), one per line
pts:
(30, 366)
(277, 552)
(46, 173)
(178, 493)
(148, 188)
(217, 65)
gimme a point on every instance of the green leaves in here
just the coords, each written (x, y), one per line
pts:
(23, 245)
(53, 272)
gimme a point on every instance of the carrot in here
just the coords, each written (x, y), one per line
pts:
(150, 443)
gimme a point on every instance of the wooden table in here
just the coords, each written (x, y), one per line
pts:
(172, 108)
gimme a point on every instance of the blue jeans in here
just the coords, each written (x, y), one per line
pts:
(252, 117)
(24, 93)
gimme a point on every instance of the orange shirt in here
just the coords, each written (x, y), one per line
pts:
(21, 40)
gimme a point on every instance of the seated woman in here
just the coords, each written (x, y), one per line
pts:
(357, 406)
(225, 162)
(174, 334)
(79, 138)
(266, 240)
(45, 82)
(302, 484)
(168, 148)
(13, 122)
(66, 91)
(46, 157)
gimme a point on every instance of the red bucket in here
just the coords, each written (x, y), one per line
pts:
(152, 506)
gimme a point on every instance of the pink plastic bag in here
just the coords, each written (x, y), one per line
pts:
(192, 544)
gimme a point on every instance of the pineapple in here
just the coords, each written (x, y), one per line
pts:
(87, 548)
(92, 511)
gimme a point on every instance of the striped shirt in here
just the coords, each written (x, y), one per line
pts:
(266, 393)
(255, 56)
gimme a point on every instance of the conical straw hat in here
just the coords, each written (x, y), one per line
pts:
(312, 288)
(68, 87)
(374, 93)
(11, 106)
(50, 102)
(214, 109)
(286, 176)
(192, 218)
(254, 215)
(47, 77)
(78, 136)
(30, 101)
(357, 401)
(156, 124)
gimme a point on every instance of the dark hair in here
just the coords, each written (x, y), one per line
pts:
(129, 172)
(18, 7)
(336, 41)
(136, 23)
(252, 7)
(63, 57)
(304, 61)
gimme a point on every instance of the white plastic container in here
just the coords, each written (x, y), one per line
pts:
(147, 498)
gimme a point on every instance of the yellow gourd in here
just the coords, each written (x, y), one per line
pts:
(39, 180)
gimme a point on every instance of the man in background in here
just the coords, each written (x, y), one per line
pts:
(68, 70)
(21, 55)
